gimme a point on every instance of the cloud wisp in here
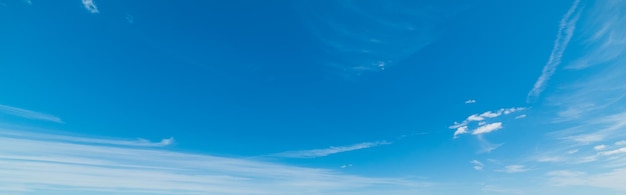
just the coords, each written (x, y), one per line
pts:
(59, 166)
(514, 169)
(90, 5)
(140, 142)
(564, 34)
(29, 114)
(314, 153)
(470, 101)
(613, 179)
(477, 165)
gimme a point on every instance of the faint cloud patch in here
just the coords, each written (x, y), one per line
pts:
(130, 19)
(90, 5)
(514, 169)
(370, 35)
(612, 179)
(501, 190)
(477, 165)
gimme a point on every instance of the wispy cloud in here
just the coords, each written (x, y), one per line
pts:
(314, 153)
(42, 166)
(29, 114)
(90, 5)
(613, 152)
(477, 165)
(564, 34)
(613, 179)
(389, 40)
(520, 116)
(514, 169)
(140, 142)
(589, 111)
(470, 101)
(572, 151)
(599, 147)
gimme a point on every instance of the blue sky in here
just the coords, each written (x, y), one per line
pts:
(312, 97)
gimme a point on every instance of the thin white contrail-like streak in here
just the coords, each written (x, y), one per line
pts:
(566, 30)
(28, 114)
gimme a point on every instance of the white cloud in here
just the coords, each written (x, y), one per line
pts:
(39, 165)
(460, 130)
(599, 147)
(90, 5)
(487, 128)
(475, 117)
(520, 116)
(346, 166)
(619, 143)
(613, 152)
(566, 30)
(470, 101)
(514, 169)
(28, 114)
(477, 165)
(572, 151)
(328, 151)
(490, 114)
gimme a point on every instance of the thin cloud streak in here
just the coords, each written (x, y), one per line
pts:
(514, 169)
(64, 167)
(565, 33)
(84, 140)
(29, 114)
(328, 151)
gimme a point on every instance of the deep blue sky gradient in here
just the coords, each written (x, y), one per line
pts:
(252, 79)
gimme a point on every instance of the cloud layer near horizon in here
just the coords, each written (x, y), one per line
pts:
(33, 165)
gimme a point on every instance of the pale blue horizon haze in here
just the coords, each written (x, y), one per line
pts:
(312, 97)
